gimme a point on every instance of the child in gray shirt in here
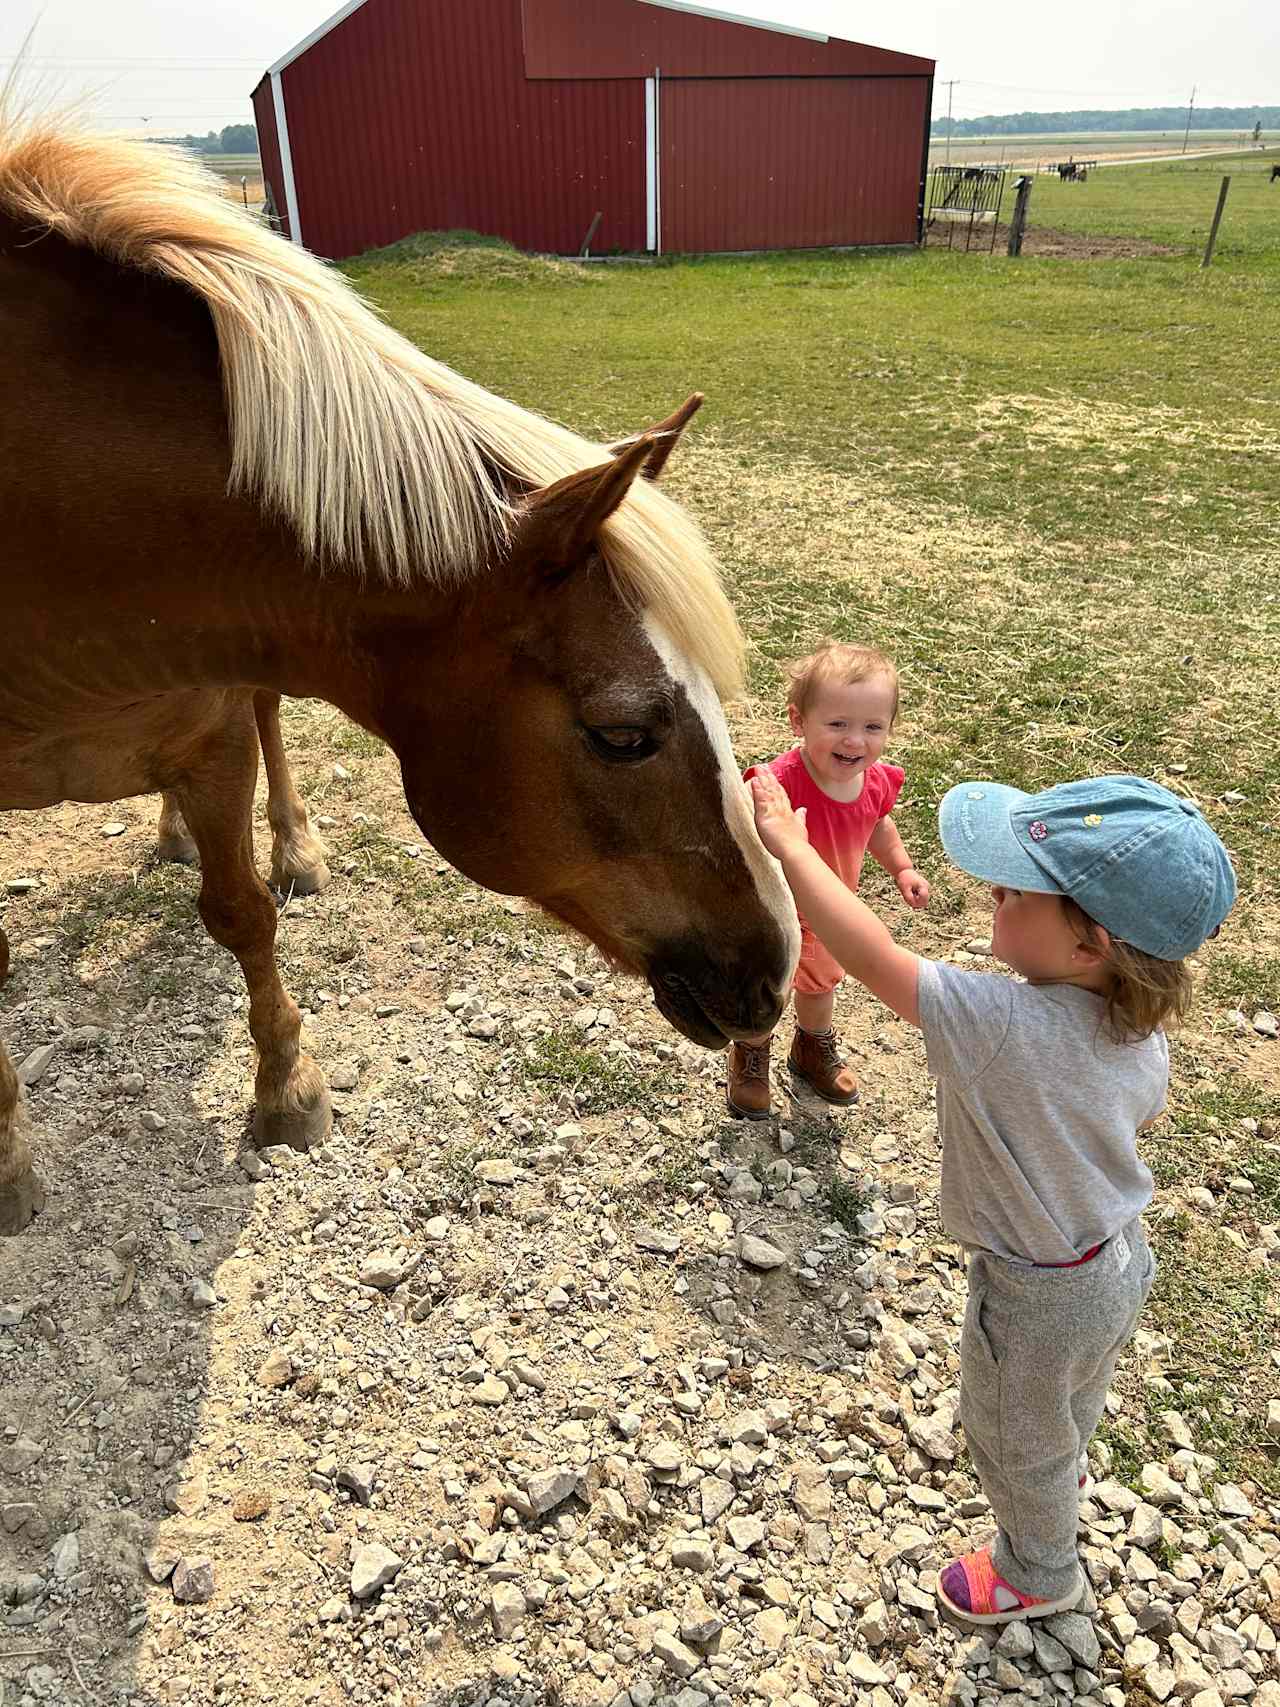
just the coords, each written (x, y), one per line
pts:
(1102, 888)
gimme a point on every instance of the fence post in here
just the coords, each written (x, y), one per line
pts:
(1018, 224)
(591, 231)
(1217, 216)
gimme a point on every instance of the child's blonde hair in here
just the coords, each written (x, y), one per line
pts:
(836, 661)
(1145, 993)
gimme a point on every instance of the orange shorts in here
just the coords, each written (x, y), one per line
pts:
(817, 972)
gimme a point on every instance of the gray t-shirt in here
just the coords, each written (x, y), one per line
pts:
(1038, 1110)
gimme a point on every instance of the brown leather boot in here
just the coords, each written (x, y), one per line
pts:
(747, 1092)
(815, 1058)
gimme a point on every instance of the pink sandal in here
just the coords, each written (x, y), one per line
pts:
(971, 1588)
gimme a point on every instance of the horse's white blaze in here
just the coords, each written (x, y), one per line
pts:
(739, 819)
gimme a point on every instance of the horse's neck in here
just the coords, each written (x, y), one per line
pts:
(133, 572)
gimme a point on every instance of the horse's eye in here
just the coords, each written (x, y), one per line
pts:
(621, 744)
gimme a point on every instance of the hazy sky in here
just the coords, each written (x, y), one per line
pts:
(188, 65)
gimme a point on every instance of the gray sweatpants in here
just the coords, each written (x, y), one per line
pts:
(1037, 1354)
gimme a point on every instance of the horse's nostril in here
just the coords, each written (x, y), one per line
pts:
(764, 997)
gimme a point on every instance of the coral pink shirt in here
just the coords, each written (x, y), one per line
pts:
(838, 829)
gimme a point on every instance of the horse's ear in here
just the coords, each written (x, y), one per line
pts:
(559, 524)
(666, 433)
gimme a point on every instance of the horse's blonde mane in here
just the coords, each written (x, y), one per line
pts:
(378, 456)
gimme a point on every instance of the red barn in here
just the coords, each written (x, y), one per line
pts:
(686, 130)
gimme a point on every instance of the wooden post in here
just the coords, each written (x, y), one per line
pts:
(591, 231)
(1217, 216)
(1018, 224)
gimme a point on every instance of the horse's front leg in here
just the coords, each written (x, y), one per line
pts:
(21, 1193)
(238, 911)
(297, 856)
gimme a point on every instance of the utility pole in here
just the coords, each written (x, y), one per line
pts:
(950, 89)
(1190, 106)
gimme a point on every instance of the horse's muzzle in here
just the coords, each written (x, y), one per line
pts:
(713, 1009)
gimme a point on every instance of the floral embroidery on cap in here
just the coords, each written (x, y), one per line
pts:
(1037, 830)
(1092, 820)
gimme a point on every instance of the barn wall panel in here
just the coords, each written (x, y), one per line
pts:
(264, 117)
(623, 38)
(408, 118)
(789, 162)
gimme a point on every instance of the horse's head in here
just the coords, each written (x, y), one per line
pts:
(582, 759)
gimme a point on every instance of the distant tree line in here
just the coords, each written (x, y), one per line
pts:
(1125, 118)
(231, 139)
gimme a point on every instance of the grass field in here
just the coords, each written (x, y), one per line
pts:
(1172, 204)
(1086, 145)
(1050, 489)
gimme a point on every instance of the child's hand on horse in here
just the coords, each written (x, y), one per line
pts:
(780, 829)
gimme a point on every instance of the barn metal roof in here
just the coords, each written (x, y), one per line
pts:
(782, 17)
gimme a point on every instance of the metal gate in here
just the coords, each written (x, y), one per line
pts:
(964, 200)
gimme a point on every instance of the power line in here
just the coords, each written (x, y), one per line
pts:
(1028, 89)
(31, 59)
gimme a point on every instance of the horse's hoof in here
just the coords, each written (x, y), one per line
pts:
(19, 1201)
(180, 850)
(299, 1128)
(308, 881)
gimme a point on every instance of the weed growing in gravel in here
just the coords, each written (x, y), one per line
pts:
(1128, 1452)
(599, 1083)
(146, 917)
(844, 1202)
(1247, 981)
(1209, 1142)
(1220, 1314)
(680, 1169)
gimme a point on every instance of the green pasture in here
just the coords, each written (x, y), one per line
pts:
(1088, 145)
(1052, 489)
(1172, 203)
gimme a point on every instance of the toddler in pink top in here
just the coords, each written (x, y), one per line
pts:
(841, 706)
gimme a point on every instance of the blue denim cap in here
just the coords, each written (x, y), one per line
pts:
(1140, 860)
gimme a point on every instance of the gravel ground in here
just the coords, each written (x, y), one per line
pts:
(541, 1381)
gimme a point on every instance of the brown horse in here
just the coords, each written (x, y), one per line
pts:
(243, 483)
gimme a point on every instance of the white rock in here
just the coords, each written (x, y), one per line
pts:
(276, 1369)
(1078, 1637)
(674, 1655)
(1159, 1486)
(745, 1532)
(507, 1608)
(863, 1669)
(759, 1253)
(64, 1560)
(382, 1269)
(1015, 1641)
(372, 1567)
(692, 1554)
(490, 1391)
(546, 1489)
(1230, 1501)
(717, 1496)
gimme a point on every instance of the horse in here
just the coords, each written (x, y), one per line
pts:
(245, 483)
